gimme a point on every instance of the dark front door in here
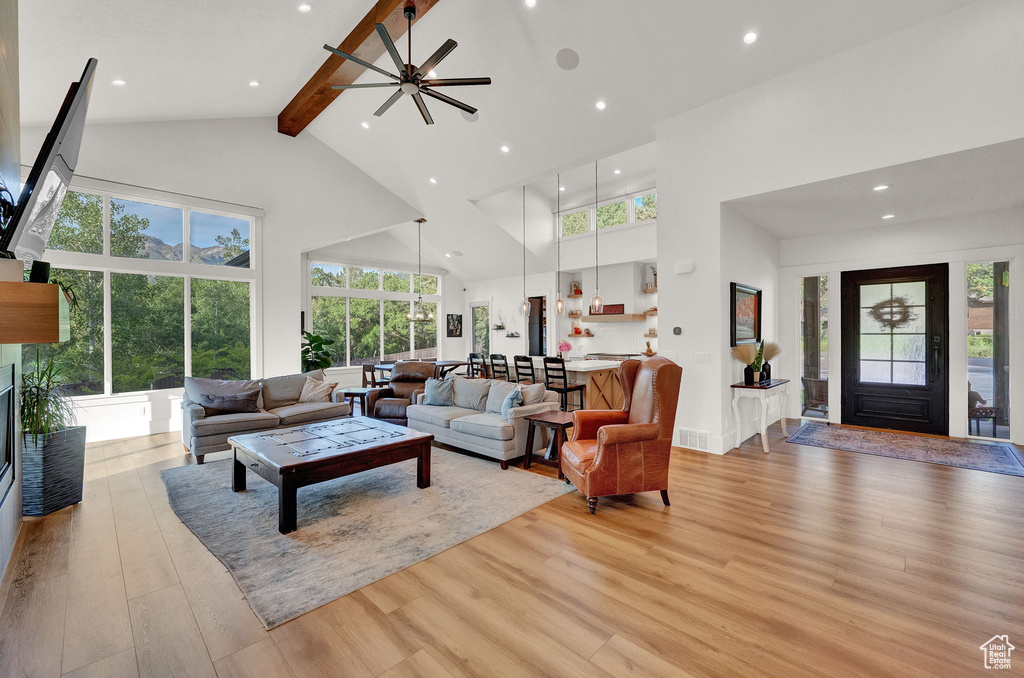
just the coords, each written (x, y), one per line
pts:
(894, 336)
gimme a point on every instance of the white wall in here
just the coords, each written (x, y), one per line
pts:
(750, 255)
(986, 236)
(505, 296)
(946, 85)
(312, 197)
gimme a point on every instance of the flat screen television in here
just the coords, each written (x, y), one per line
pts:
(29, 229)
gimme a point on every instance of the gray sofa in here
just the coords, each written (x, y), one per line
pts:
(474, 421)
(203, 432)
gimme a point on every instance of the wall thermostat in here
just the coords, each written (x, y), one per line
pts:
(677, 331)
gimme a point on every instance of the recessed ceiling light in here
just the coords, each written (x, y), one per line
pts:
(561, 188)
(457, 253)
(433, 180)
(601, 104)
(118, 83)
(448, 254)
(750, 38)
(254, 83)
(618, 171)
(888, 216)
(505, 149)
(881, 187)
(305, 7)
(530, 3)
(365, 125)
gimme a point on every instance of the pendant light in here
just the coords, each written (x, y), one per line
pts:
(526, 300)
(419, 313)
(596, 301)
(559, 300)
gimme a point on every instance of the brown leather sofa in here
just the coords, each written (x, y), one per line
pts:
(623, 451)
(407, 381)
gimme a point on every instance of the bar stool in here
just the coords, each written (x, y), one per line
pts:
(556, 379)
(499, 366)
(524, 369)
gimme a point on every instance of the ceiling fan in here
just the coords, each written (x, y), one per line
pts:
(411, 80)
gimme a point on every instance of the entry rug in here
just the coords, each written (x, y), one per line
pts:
(992, 457)
(352, 531)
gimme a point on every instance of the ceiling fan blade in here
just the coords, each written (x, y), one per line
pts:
(385, 37)
(420, 104)
(455, 82)
(387, 104)
(364, 64)
(448, 100)
(435, 58)
(366, 84)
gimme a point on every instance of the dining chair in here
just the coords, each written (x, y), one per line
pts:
(477, 366)
(557, 379)
(524, 369)
(499, 366)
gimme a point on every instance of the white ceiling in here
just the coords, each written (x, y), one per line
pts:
(649, 60)
(978, 180)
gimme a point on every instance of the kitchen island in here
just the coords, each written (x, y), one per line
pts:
(601, 378)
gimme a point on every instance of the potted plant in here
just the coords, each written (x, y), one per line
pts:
(53, 448)
(315, 352)
(746, 354)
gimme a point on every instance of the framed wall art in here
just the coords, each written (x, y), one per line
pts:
(744, 314)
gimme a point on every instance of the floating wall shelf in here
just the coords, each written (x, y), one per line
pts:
(623, 318)
(575, 314)
(653, 290)
(651, 335)
(586, 333)
(574, 296)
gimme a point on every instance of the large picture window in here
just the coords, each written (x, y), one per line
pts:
(365, 312)
(145, 312)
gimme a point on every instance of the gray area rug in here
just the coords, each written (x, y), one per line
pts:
(352, 531)
(992, 457)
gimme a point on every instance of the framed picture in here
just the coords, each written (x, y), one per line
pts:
(454, 324)
(745, 314)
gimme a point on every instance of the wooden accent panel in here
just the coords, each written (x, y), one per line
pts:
(316, 95)
(32, 313)
(603, 391)
(624, 318)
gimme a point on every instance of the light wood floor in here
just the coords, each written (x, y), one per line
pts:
(805, 562)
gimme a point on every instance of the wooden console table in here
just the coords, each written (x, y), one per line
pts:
(764, 392)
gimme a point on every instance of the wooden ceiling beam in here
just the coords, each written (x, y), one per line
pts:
(316, 95)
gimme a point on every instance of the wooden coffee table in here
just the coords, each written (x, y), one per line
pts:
(291, 458)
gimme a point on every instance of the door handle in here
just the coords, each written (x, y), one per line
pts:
(936, 355)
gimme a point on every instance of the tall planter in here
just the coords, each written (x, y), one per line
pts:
(53, 470)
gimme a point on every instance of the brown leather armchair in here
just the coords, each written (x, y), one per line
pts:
(624, 451)
(407, 381)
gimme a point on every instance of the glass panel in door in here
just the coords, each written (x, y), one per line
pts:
(893, 345)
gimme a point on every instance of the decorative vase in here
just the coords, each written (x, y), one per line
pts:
(757, 377)
(560, 355)
(766, 372)
(53, 470)
(748, 376)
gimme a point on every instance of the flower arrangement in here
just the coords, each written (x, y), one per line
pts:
(565, 346)
(754, 356)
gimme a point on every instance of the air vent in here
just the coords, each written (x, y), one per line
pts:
(694, 440)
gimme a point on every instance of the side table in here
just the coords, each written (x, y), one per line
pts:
(357, 393)
(557, 422)
(764, 391)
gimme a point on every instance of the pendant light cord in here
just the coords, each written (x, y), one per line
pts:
(524, 243)
(597, 265)
(558, 232)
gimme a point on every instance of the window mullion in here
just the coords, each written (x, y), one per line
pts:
(188, 325)
(108, 341)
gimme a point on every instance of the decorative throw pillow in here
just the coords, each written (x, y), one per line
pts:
(196, 387)
(497, 393)
(314, 391)
(471, 393)
(533, 393)
(230, 403)
(512, 400)
(439, 393)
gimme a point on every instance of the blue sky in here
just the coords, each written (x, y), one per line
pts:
(167, 223)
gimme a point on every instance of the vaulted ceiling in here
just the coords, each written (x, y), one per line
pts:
(649, 60)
